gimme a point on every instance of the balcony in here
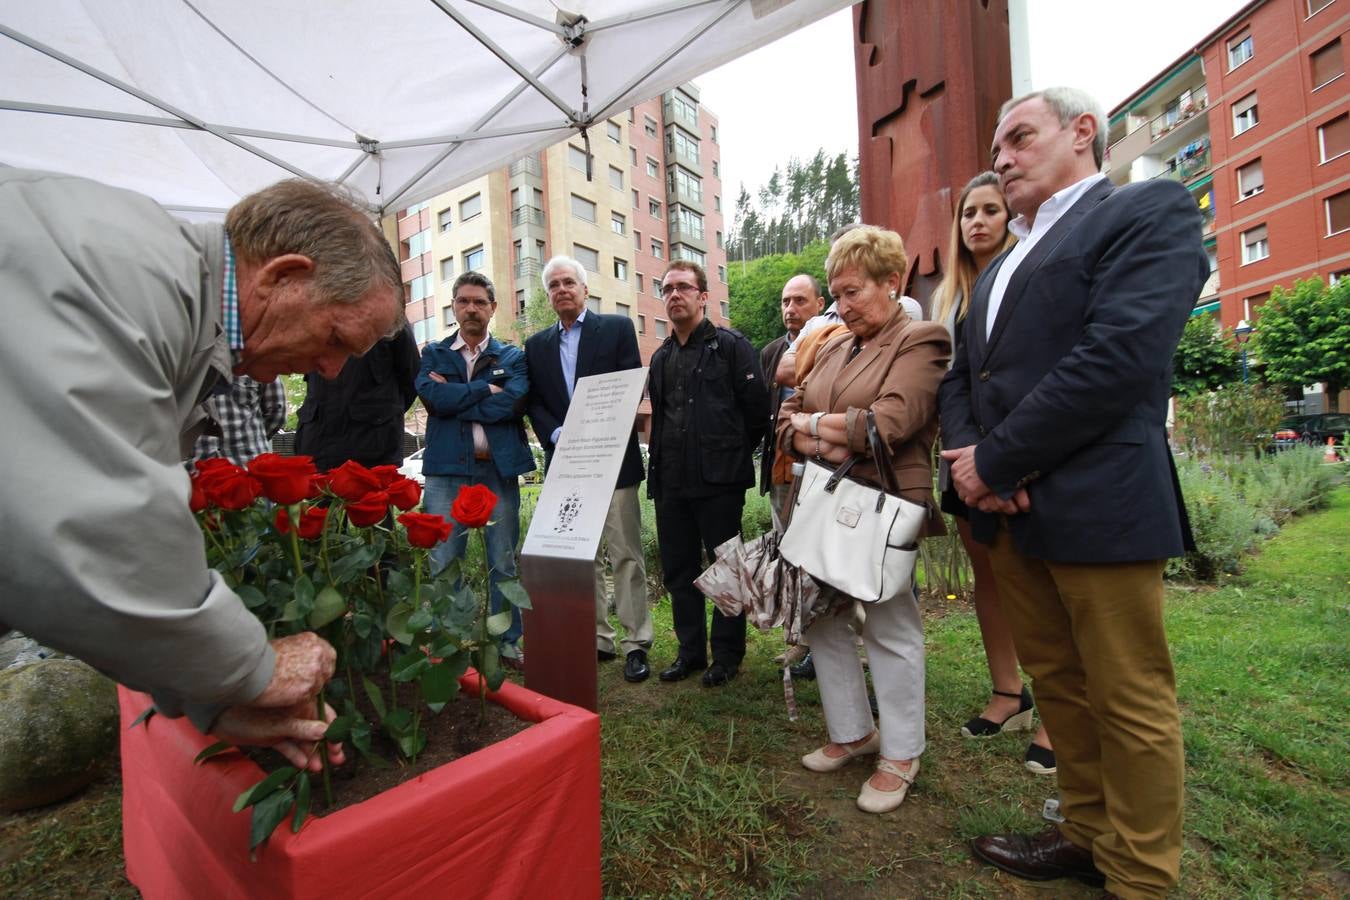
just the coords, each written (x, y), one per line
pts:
(677, 193)
(1193, 161)
(527, 215)
(528, 268)
(527, 165)
(693, 236)
(1166, 131)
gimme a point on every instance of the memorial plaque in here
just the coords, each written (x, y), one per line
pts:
(557, 559)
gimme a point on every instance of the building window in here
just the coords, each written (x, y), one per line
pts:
(637, 240)
(1338, 212)
(443, 218)
(593, 304)
(614, 131)
(617, 223)
(448, 268)
(719, 243)
(1251, 304)
(658, 249)
(656, 286)
(1337, 276)
(712, 133)
(422, 330)
(653, 168)
(726, 310)
(642, 324)
(589, 259)
(1240, 48)
(620, 269)
(680, 142)
(689, 223)
(1327, 64)
(717, 202)
(419, 243)
(624, 310)
(1250, 180)
(520, 303)
(649, 126)
(1244, 113)
(639, 282)
(722, 273)
(654, 208)
(632, 157)
(1316, 6)
(683, 251)
(474, 259)
(422, 287)
(685, 182)
(1334, 137)
(1255, 245)
(471, 207)
(448, 316)
(583, 209)
(662, 329)
(616, 178)
(576, 158)
(683, 108)
(717, 169)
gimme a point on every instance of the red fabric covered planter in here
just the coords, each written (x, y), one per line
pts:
(520, 818)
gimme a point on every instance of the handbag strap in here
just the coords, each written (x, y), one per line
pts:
(881, 456)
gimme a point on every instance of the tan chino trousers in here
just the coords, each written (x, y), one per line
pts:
(623, 545)
(1091, 637)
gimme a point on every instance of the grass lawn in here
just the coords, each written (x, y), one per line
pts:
(703, 794)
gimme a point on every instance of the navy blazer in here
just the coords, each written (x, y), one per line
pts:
(608, 344)
(1067, 395)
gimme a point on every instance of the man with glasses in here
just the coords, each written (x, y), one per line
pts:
(709, 410)
(474, 388)
(588, 343)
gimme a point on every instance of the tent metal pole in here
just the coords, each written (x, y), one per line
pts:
(657, 12)
(152, 100)
(666, 57)
(512, 13)
(508, 59)
(486, 134)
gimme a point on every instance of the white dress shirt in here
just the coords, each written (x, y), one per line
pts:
(481, 450)
(1046, 217)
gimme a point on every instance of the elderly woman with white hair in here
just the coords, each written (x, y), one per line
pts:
(889, 365)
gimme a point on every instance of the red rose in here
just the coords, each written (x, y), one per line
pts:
(285, 479)
(197, 502)
(473, 505)
(404, 492)
(351, 481)
(311, 523)
(317, 485)
(386, 474)
(229, 486)
(282, 521)
(424, 529)
(369, 509)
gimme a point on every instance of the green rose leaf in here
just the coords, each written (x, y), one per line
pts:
(338, 729)
(362, 623)
(214, 750)
(328, 605)
(410, 665)
(252, 597)
(376, 701)
(515, 593)
(420, 620)
(499, 623)
(264, 788)
(439, 686)
(396, 624)
(267, 815)
(301, 803)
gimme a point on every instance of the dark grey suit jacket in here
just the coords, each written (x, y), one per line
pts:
(608, 344)
(1067, 396)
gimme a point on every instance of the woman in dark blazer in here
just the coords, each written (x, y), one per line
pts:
(890, 365)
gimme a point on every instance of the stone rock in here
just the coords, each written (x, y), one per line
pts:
(58, 724)
(16, 649)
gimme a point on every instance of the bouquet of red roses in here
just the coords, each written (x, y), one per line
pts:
(345, 554)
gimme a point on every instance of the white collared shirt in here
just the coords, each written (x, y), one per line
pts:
(1046, 217)
(471, 354)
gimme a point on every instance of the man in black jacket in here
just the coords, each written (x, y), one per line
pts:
(359, 414)
(709, 410)
(588, 343)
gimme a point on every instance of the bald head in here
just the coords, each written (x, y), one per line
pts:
(801, 300)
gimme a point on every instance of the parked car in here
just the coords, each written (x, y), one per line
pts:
(412, 467)
(1313, 430)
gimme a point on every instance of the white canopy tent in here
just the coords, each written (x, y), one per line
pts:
(199, 102)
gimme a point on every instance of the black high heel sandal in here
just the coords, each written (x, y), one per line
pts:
(980, 727)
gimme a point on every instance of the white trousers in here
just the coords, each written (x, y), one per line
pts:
(893, 637)
(623, 545)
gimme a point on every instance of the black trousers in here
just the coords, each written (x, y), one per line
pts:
(685, 527)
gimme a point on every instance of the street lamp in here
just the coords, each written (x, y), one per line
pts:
(1243, 333)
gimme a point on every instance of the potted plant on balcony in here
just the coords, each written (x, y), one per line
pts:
(319, 552)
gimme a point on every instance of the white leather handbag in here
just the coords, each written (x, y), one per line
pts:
(855, 537)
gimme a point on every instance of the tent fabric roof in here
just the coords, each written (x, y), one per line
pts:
(199, 102)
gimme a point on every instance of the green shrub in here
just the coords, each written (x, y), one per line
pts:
(1231, 421)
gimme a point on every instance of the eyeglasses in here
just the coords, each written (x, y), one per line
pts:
(668, 289)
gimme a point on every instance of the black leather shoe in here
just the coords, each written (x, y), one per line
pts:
(606, 655)
(718, 674)
(681, 669)
(1038, 857)
(635, 667)
(805, 669)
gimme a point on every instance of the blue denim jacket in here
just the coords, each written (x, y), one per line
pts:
(465, 398)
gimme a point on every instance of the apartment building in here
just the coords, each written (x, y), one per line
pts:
(1255, 122)
(635, 192)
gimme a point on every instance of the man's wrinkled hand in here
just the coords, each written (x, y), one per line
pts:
(304, 663)
(294, 732)
(437, 377)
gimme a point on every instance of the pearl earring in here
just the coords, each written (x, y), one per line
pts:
(892, 295)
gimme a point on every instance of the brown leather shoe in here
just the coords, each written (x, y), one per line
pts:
(1038, 857)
